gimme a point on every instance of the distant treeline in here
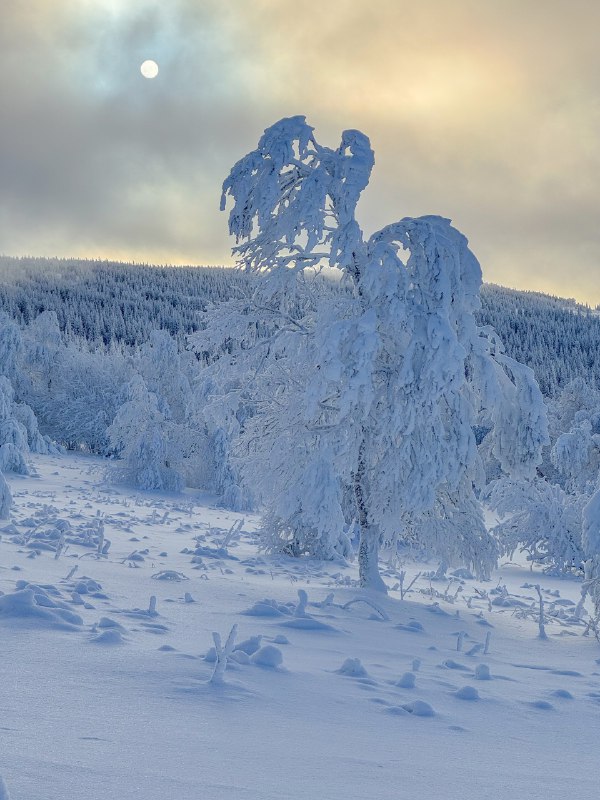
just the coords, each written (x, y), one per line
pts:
(109, 303)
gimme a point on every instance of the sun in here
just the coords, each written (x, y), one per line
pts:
(149, 69)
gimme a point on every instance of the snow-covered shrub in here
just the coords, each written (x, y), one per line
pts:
(541, 519)
(35, 441)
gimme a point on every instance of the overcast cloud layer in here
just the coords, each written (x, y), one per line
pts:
(483, 111)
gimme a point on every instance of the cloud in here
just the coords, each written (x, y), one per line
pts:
(481, 111)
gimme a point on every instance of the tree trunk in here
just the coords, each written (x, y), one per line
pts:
(368, 549)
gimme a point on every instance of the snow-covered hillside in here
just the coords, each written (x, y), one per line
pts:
(104, 302)
(105, 694)
(559, 339)
(107, 303)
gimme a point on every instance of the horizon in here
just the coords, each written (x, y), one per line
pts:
(150, 265)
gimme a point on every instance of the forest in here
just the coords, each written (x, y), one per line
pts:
(90, 349)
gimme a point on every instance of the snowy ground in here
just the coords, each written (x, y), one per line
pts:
(114, 701)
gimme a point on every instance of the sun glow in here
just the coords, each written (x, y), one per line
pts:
(149, 69)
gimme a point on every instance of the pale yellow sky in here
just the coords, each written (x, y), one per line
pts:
(484, 111)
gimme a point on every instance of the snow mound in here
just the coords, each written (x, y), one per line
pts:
(467, 693)
(419, 708)
(268, 656)
(482, 672)
(353, 668)
(412, 627)
(107, 622)
(87, 586)
(240, 657)
(308, 624)
(407, 681)
(564, 694)
(266, 608)
(451, 664)
(398, 711)
(541, 705)
(249, 646)
(109, 637)
(23, 604)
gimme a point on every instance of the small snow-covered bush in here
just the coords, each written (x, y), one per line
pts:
(541, 519)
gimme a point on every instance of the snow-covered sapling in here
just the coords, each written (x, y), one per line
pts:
(302, 601)
(400, 584)
(542, 619)
(222, 654)
(404, 591)
(486, 646)
(60, 546)
(232, 533)
(327, 602)
(580, 607)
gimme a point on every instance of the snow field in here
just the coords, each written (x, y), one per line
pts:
(105, 692)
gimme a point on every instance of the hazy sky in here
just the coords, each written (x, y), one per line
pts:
(484, 111)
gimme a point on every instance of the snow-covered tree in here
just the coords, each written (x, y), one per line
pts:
(541, 519)
(76, 395)
(144, 438)
(5, 498)
(372, 395)
(576, 456)
(591, 546)
(160, 366)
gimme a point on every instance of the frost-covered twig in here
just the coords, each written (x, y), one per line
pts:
(327, 602)
(60, 547)
(223, 654)
(410, 585)
(233, 531)
(486, 646)
(373, 605)
(542, 634)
